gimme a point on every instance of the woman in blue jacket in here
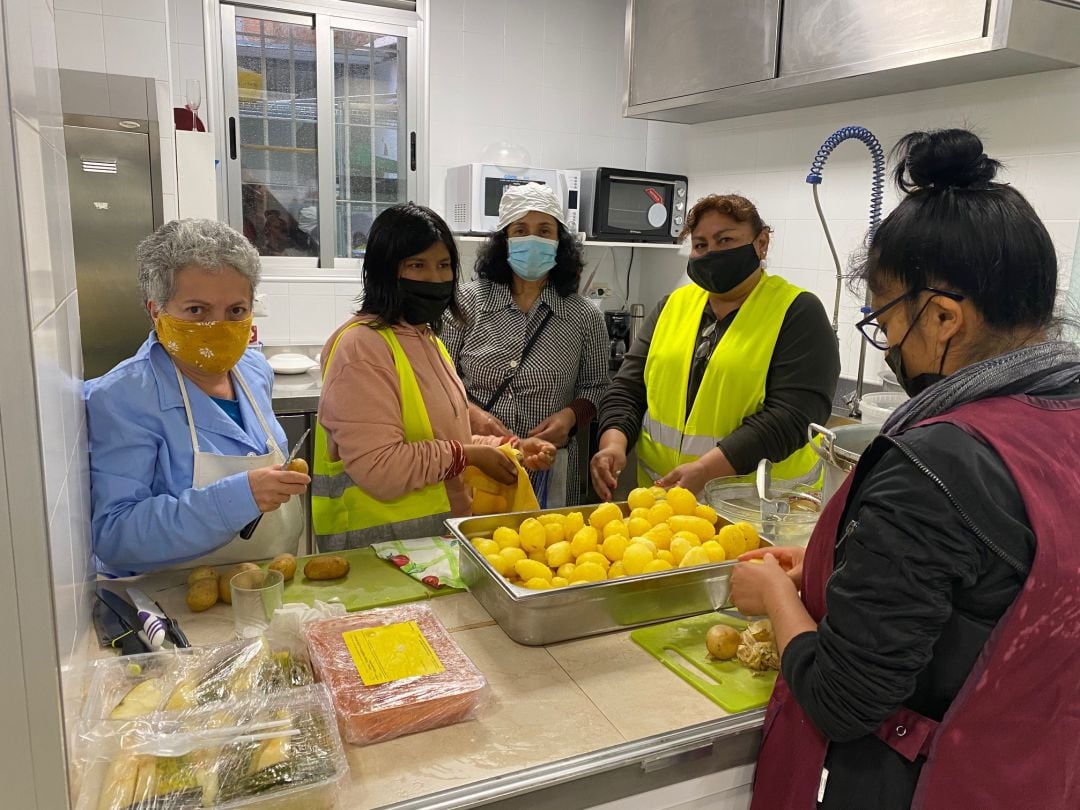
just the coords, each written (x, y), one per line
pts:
(184, 447)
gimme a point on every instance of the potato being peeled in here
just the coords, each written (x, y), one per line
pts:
(286, 564)
(722, 641)
(298, 465)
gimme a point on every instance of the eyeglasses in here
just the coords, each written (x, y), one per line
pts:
(871, 329)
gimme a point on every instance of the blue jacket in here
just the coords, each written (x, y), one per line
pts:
(145, 514)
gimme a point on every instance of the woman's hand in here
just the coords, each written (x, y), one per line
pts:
(491, 461)
(605, 468)
(754, 586)
(482, 423)
(556, 428)
(273, 486)
(692, 476)
(789, 557)
(539, 454)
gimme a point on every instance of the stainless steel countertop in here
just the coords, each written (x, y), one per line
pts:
(296, 393)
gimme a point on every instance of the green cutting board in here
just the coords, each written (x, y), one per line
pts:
(370, 583)
(680, 646)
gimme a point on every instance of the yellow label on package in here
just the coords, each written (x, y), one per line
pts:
(391, 653)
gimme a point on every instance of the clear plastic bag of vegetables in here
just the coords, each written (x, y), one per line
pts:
(182, 679)
(278, 751)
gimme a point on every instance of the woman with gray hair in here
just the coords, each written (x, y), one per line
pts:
(184, 448)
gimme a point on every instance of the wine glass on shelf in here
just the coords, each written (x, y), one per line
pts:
(193, 97)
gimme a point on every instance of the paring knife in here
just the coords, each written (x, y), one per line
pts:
(249, 530)
(177, 635)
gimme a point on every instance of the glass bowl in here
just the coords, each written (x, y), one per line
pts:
(737, 501)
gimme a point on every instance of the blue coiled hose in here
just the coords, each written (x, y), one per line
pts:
(877, 194)
(877, 186)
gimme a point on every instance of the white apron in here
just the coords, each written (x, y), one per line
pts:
(278, 531)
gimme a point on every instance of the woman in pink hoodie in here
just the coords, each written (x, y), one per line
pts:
(393, 436)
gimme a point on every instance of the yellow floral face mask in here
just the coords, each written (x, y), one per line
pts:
(210, 346)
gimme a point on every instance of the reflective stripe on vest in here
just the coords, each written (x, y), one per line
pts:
(338, 506)
(732, 388)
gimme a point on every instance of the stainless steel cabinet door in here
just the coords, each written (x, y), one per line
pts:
(818, 35)
(682, 47)
(109, 179)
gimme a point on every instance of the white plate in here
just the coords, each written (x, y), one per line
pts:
(291, 363)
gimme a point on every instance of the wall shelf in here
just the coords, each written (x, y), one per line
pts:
(587, 243)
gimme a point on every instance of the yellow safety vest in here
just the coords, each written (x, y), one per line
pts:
(338, 506)
(732, 388)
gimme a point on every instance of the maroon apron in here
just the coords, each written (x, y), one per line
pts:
(1011, 737)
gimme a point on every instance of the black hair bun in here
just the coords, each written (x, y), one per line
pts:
(943, 159)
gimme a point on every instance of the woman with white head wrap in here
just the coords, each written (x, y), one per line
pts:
(526, 295)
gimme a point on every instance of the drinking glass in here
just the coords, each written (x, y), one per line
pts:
(193, 98)
(255, 597)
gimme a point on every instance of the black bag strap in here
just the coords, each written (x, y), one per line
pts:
(535, 336)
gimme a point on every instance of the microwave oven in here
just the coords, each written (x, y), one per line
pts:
(473, 193)
(627, 205)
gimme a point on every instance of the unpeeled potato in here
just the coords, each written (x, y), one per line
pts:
(332, 567)
(722, 641)
(286, 564)
(202, 572)
(298, 465)
(224, 587)
(202, 594)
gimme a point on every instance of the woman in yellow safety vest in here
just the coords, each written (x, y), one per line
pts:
(393, 434)
(727, 370)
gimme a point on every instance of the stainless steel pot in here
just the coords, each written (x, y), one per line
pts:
(840, 449)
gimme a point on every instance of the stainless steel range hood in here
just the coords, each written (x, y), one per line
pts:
(688, 61)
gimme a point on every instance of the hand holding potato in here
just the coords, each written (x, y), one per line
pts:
(273, 486)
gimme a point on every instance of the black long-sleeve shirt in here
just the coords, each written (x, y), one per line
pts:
(912, 601)
(799, 386)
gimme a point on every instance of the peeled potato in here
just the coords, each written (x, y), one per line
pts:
(298, 465)
(332, 567)
(224, 588)
(202, 572)
(286, 564)
(722, 641)
(202, 594)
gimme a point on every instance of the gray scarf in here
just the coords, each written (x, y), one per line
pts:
(1039, 369)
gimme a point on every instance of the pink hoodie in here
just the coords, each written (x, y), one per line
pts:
(360, 409)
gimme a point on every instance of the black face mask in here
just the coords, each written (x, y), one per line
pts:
(424, 301)
(920, 382)
(720, 271)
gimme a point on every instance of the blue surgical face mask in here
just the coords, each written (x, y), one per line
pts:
(531, 257)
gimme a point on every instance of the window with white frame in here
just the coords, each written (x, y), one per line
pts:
(320, 126)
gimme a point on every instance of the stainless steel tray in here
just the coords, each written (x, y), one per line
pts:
(544, 617)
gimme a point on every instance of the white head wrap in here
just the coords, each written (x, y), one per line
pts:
(517, 201)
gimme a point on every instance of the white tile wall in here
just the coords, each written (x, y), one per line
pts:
(134, 47)
(543, 74)
(1030, 122)
(304, 313)
(34, 36)
(80, 40)
(50, 267)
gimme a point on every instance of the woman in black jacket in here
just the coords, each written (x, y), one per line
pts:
(934, 630)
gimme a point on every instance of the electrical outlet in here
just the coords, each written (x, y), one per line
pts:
(599, 291)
